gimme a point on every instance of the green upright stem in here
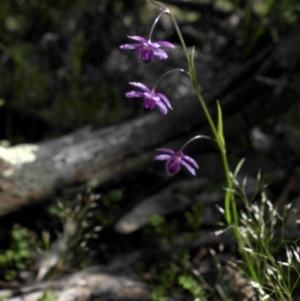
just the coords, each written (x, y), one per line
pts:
(222, 149)
(231, 214)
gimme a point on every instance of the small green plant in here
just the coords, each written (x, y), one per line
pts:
(274, 257)
(159, 294)
(167, 272)
(194, 216)
(190, 284)
(19, 254)
(159, 228)
(105, 215)
(48, 295)
(77, 220)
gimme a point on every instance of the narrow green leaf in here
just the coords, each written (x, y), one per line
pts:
(220, 124)
(238, 168)
(192, 63)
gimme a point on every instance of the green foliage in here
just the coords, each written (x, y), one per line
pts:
(105, 215)
(194, 216)
(159, 228)
(173, 271)
(19, 254)
(274, 19)
(60, 209)
(48, 296)
(112, 198)
(220, 124)
(262, 235)
(103, 218)
(190, 284)
(168, 271)
(77, 221)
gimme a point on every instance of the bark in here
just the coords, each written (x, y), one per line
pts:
(82, 286)
(264, 86)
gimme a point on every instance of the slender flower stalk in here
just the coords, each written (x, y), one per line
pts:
(231, 214)
(164, 11)
(229, 197)
(195, 138)
(167, 11)
(168, 72)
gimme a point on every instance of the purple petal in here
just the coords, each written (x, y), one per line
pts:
(134, 94)
(162, 107)
(165, 150)
(146, 54)
(160, 53)
(163, 157)
(165, 44)
(188, 167)
(165, 99)
(190, 161)
(172, 167)
(140, 85)
(137, 38)
(153, 96)
(149, 104)
(131, 46)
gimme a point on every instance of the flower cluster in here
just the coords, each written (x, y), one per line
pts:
(147, 50)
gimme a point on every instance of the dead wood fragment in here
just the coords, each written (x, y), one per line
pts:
(82, 286)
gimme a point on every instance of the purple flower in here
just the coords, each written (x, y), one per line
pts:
(151, 98)
(147, 49)
(175, 160)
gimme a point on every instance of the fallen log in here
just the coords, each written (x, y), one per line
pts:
(84, 285)
(267, 85)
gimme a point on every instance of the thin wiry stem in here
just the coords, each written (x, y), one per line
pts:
(194, 138)
(168, 72)
(165, 11)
